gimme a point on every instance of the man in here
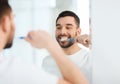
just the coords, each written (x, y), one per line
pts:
(67, 32)
(13, 71)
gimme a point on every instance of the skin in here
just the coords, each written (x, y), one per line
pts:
(84, 39)
(7, 29)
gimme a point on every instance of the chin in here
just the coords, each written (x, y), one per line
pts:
(8, 45)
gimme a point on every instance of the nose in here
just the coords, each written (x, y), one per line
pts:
(63, 31)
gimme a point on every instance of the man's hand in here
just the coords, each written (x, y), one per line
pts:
(84, 39)
(39, 38)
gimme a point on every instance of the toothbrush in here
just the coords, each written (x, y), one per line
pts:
(21, 37)
(65, 39)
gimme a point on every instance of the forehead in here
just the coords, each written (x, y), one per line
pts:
(66, 20)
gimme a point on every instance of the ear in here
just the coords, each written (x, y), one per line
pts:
(5, 21)
(78, 31)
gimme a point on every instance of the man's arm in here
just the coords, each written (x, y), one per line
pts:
(41, 39)
(68, 69)
(63, 81)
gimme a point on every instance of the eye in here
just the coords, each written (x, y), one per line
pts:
(68, 27)
(58, 27)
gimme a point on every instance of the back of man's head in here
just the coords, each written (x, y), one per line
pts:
(5, 8)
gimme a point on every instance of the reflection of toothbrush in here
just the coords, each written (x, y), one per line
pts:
(71, 40)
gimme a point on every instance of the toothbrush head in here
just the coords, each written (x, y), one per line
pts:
(71, 40)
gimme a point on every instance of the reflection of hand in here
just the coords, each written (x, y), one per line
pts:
(84, 39)
(39, 38)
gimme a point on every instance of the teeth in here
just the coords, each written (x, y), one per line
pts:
(64, 39)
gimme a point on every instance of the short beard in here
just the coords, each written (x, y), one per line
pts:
(67, 46)
(8, 45)
(70, 43)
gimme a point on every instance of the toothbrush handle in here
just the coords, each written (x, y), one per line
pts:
(21, 37)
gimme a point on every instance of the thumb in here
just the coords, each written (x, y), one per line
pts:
(28, 38)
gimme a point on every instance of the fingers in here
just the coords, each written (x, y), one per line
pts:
(38, 38)
(29, 36)
(84, 39)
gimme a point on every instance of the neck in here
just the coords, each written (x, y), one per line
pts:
(72, 49)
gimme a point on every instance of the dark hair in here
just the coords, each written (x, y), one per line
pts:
(69, 13)
(5, 8)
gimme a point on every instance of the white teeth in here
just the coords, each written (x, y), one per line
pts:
(64, 39)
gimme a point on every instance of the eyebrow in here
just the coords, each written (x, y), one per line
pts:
(66, 24)
(69, 24)
(57, 24)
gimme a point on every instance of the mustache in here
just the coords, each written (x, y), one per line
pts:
(60, 36)
(67, 35)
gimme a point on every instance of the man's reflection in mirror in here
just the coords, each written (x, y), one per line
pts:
(68, 34)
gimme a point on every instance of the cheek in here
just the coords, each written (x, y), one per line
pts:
(57, 33)
(13, 26)
(12, 29)
(74, 34)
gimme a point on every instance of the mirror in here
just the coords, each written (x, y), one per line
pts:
(41, 14)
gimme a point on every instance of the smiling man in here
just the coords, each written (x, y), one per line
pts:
(67, 32)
